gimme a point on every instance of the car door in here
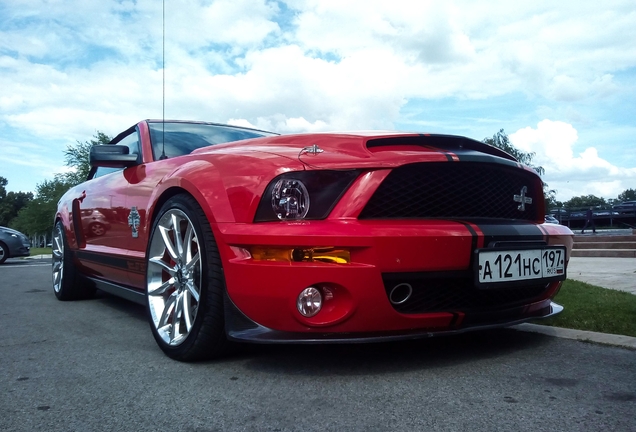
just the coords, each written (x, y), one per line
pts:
(104, 219)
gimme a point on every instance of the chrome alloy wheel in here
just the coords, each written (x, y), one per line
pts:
(174, 276)
(58, 258)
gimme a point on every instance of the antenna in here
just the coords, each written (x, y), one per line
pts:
(163, 83)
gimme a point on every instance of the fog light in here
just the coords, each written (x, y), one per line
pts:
(309, 302)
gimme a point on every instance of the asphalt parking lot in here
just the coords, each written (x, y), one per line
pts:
(93, 365)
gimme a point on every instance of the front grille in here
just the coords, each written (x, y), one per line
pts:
(455, 190)
(458, 294)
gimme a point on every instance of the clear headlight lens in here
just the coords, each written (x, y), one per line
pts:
(287, 197)
(290, 199)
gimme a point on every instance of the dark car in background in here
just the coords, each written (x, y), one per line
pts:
(625, 207)
(13, 244)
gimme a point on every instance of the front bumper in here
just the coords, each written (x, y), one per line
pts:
(263, 294)
(21, 251)
(241, 329)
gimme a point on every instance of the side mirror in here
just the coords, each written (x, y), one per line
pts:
(111, 156)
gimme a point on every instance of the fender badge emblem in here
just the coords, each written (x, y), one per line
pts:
(523, 199)
(133, 221)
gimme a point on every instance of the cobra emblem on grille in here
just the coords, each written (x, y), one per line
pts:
(523, 199)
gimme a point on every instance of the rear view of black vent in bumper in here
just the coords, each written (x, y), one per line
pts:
(441, 293)
(456, 190)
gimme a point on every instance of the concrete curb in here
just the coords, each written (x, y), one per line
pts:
(580, 335)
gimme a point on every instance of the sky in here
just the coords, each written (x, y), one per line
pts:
(558, 77)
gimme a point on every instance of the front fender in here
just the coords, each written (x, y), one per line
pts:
(228, 187)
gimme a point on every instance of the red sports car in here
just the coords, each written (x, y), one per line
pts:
(234, 234)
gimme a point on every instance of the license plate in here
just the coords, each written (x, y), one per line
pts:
(501, 266)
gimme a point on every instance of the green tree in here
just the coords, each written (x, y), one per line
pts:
(627, 195)
(502, 142)
(78, 157)
(36, 218)
(585, 201)
(550, 198)
(11, 202)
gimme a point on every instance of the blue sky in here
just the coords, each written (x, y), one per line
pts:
(559, 78)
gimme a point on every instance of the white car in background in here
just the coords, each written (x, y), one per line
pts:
(551, 219)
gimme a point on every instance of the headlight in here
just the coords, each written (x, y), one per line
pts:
(288, 196)
(290, 199)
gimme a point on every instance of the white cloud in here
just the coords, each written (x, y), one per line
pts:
(571, 173)
(69, 68)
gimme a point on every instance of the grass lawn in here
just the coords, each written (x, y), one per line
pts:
(592, 308)
(40, 251)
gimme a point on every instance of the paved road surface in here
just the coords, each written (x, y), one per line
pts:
(94, 366)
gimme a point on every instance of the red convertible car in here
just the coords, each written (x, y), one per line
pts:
(233, 234)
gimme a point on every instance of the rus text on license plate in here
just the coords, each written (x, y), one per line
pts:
(517, 265)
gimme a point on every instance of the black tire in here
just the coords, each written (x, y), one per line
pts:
(191, 277)
(67, 283)
(4, 253)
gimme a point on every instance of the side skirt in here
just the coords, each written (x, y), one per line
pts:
(119, 291)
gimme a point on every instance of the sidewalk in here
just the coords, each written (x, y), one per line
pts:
(613, 273)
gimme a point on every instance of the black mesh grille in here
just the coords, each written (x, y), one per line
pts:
(455, 190)
(448, 294)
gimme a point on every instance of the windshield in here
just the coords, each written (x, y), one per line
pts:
(182, 138)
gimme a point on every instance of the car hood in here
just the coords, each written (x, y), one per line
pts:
(363, 149)
(10, 231)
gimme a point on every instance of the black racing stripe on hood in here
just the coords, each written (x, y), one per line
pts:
(510, 232)
(476, 156)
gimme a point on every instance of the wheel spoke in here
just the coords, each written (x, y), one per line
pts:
(159, 261)
(161, 289)
(176, 226)
(57, 265)
(167, 311)
(58, 241)
(192, 262)
(176, 318)
(186, 312)
(165, 235)
(189, 237)
(192, 289)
